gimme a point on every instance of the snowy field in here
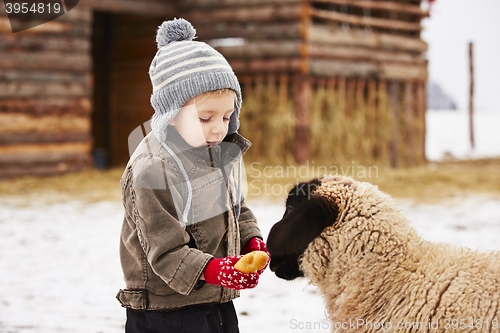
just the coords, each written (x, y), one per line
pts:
(59, 266)
(448, 134)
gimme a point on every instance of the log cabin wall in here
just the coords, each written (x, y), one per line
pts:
(75, 85)
(331, 81)
(45, 96)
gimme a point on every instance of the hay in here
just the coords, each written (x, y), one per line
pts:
(428, 183)
(87, 186)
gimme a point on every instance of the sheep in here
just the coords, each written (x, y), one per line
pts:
(375, 273)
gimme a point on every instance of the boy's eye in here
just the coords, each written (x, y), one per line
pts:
(204, 120)
(227, 118)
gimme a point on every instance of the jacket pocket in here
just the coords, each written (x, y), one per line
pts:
(135, 299)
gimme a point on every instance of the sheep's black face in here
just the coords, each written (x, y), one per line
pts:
(306, 215)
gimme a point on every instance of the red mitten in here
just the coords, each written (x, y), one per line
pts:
(221, 272)
(256, 244)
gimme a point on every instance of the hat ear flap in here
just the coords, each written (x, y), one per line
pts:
(301, 225)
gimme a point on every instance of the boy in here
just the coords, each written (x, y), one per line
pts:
(185, 223)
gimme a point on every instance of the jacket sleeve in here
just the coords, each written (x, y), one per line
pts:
(163, 238)
(248, 225)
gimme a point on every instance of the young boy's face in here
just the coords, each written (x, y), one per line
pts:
(205, 120)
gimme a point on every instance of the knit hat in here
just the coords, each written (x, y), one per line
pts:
(183, 69)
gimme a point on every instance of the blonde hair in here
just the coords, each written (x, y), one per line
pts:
(218, 92)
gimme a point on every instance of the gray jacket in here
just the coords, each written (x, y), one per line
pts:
(163, 258)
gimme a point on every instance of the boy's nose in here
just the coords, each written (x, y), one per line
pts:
(218, 128)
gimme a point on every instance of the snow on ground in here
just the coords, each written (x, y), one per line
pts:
(60, 269)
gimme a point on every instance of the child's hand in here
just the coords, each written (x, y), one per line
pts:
(256, 244)
(221, 272)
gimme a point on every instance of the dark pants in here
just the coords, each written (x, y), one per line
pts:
(212, 318)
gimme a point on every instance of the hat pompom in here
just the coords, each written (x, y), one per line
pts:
(175, 30)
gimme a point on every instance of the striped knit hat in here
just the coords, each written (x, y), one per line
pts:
(183, 69)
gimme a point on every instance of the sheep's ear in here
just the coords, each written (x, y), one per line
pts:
(301, 225)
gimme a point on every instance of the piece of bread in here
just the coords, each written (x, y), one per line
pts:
(252, 262)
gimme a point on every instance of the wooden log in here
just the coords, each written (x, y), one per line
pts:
(77, 14)
(13, 75)
(46, 105)
(287, 49)
(323, 67)
(249, 31)
(394, 115)
(187, 4)
(366, 21)
(143, 7)
(78, 29)
(46, 61)
(30, 43)
(21, 123)
(323, 35)
(379, 5)
(302, 103)
(362, 53)
(49, 137)
(262, 49)
(264, 13)
(393, 71)
(72, 164)
(265, 66)
(32, 89)
(33, 153)
(390, 71)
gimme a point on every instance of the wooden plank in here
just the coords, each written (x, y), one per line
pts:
(15, 138)
(302, 94)
(32, 153)
(323, 35)
(264, 13)
(249, 31)
(46, 105)
(46, 61)
(29, 89)
(220, 3)
(144, 7)
(409, 123)
(21, 123)
(371, 116)
(394, 115)
(380, 5)
(272, 65)
(356, 53)
(12, 42)
(365, 20)
(421, 110)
